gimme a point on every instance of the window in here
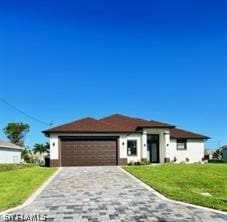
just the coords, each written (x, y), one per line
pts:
(181, 144)
(132, 147)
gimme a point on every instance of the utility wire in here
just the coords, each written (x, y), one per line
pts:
(24, 113)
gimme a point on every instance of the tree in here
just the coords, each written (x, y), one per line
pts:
(218, 154)
(41, 148)
(27, 156)
(16, 132)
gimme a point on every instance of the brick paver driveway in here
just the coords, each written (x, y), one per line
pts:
(108, 194)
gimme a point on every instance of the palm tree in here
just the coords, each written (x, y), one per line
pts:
(218, 154)
(41, 149)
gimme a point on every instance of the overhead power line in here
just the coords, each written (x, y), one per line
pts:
(24, 113)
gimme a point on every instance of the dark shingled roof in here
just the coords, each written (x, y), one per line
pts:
(132, 124)
(84, 125)
(118, 124)
(183, 134)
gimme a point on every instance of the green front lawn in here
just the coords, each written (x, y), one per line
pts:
(186, 182)
(18, 182)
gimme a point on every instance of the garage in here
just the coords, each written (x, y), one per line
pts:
(88, 152)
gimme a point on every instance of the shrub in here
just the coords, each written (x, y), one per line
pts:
(145, 162)
(215, 161)
(137, 163)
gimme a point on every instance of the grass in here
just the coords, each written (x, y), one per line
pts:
(9, 167)
(186, 182)
(17, 183)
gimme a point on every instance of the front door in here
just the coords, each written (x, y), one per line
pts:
(153, 147)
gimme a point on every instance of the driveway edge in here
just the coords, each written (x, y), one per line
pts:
(171, 200)
(34, 195)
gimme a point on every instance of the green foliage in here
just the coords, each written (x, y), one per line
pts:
(16, 132)
(27, 156)
(138, 163)
(218, 154)
(41, 148)
(215, 161)
(186, 182)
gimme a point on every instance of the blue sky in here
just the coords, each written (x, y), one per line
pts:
(162, 60)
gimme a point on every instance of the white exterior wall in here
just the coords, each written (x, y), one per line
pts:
(194, 151)
(137, 157)
(8, 155)
(144, 145)
(122, 144)
(54, 144)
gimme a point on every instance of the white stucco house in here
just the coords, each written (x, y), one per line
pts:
(119, 139)
(10, 153)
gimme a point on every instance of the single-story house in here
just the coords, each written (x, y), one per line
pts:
(9, 152)
(119, 139)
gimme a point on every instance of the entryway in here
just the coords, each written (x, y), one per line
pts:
(153, 148)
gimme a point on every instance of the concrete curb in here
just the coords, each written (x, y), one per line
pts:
(33, 196)
(159, 195)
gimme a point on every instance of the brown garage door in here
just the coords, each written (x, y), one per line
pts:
(88, 152)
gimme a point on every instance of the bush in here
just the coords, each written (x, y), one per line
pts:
(27, 156)
(215, 161)
(138, 163)
(12, 166)
(145, 162)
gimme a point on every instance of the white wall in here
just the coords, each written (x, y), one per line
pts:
(144, 145)
(54, 144)
(8, 155)
(194, 151)
(123, 147)
(122, 144)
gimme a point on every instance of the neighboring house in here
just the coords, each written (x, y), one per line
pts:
(9, 152)
(224, 148)
(119, 139)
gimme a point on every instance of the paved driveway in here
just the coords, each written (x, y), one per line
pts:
(108, 194)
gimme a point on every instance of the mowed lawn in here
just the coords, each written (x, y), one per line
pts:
(186, 182)
(18, 182)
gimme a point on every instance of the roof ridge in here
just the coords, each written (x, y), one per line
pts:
(123, 115)
(71, 122)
